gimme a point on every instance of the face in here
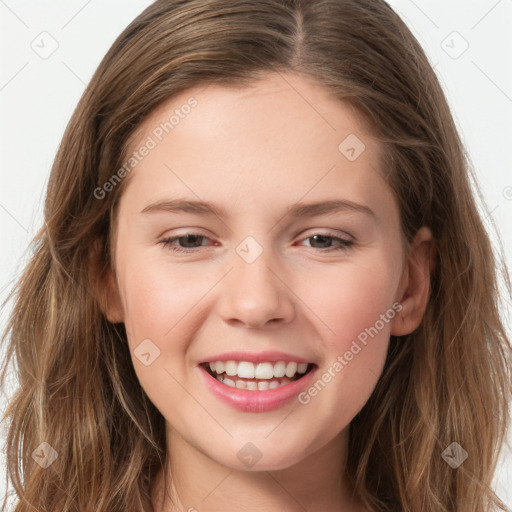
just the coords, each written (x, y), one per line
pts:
(250, 285)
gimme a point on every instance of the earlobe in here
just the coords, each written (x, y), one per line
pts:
(414, 291)
(112, 307)
(106, 289)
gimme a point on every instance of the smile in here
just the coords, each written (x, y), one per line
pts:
(256, 376)
(256, 382)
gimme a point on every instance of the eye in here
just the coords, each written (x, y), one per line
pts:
(192, 241)
(327, 238)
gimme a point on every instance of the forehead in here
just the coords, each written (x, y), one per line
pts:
(275, 101)
(284, 134)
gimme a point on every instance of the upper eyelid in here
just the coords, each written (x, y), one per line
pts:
(198, 231)
(305, 236)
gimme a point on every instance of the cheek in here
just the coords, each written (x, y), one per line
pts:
(357, 306)
(159, 308)
(353, 299)
(157, 303)
(151, 291)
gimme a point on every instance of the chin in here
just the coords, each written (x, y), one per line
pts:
(250, 457)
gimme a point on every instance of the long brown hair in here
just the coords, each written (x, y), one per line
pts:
(449, 381)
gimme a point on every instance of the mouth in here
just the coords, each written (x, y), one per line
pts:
(260, 376)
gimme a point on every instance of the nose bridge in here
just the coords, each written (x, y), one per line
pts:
(255, 293)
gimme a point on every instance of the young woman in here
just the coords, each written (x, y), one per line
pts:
(262, 282)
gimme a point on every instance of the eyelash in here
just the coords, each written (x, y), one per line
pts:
(344, 244)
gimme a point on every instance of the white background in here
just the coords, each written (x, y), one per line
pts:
(38, 96)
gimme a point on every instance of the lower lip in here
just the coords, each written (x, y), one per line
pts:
(256, 401)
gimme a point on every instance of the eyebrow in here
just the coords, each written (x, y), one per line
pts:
(297, 210)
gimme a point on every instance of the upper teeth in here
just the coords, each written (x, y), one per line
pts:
(248, 370)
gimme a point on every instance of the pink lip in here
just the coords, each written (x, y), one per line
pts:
(260, 357)
(256, 401)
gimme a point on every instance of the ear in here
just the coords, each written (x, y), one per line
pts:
(414, 288)
(105, 287)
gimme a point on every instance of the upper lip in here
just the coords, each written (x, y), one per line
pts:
(256, 357)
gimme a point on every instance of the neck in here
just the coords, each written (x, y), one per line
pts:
(199, 484)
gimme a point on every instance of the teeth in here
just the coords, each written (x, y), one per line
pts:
(231, 367)
(279, 369)
(245, 370)
(253, 385)
(291, 369)
(262, 371)
(229, 382)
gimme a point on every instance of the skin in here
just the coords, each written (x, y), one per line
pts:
(255, 152)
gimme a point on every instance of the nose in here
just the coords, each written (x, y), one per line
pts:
(256, 294)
